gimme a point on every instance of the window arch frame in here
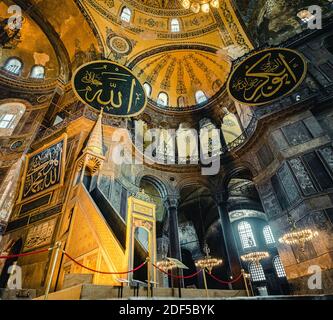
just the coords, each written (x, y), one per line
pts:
(17, 109)
(257, 272)
(181, 101)
(245, 232)
(268, 235)
(35, 67)
(124, 14)
(279, 267)
(147, 85)
(174, 25)
(167, 99)
(200, 97)
(19, 72)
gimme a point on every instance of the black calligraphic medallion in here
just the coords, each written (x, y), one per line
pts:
(44, 170)
(108, 85)
(267, 76)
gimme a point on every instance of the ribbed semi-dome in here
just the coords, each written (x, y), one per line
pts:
(184, 78)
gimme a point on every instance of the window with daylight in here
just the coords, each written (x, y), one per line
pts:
(246, 235)
(268, 235)
(257, 272)
(37, 72)
(279, 268)
(126, 14)
(162, 99)
(200, 97)
(13, 65)
(147, 89)
(175, 27)
(6, 120)
(10, 115)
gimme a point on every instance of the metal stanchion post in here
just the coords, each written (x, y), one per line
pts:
(179, 284)
(58, 246)
(205, 282)
(148, 276)
(245, 282)
(251, 287)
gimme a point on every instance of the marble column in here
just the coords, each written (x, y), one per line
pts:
(171, 204)
(232, 260)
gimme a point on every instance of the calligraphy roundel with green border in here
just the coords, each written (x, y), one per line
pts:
(267, 76)
(108, 85)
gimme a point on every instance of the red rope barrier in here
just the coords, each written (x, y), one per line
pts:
(25, 254)
(104, 272)
(177, 277)
(225, 282)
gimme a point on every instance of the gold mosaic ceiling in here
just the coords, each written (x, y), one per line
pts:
(90, 29)
(181, 73)
(162, 4)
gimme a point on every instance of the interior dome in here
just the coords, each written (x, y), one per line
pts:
(186, 77)
(160, 7)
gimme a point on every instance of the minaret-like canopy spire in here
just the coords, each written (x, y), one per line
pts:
(95, 142)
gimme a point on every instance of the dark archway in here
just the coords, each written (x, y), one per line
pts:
(15, 249)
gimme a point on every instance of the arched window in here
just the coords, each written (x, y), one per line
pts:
(37, 72)
(147, 89)
(257, 272)
(175, 27)
(279, 268)
(126, 14)
(181, 101)
(6, 120)
(162, 99)
(200, 97)
(13, 65)
(231, 127)
(246, 235)
(10, 115)
(268, 235)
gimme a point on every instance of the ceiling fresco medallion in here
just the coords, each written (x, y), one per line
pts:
(266, 76)
(119, 45)
(108, 85)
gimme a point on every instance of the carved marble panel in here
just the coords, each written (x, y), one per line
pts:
(302, 176)
(288, 183)
(327, 154)
(268, 199)
(296, 133)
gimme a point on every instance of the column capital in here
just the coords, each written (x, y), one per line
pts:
(171, 201)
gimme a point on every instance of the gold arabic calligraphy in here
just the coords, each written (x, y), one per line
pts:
(265, 78)
(96, 91)
(43, 170)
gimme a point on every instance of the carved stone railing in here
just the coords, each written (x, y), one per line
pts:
(74, 112)
(26, 84)
(162, 158)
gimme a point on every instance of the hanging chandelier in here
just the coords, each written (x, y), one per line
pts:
(297, 236)
(197, 5)
(208, 262)
(166, 265)
(255, 256)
